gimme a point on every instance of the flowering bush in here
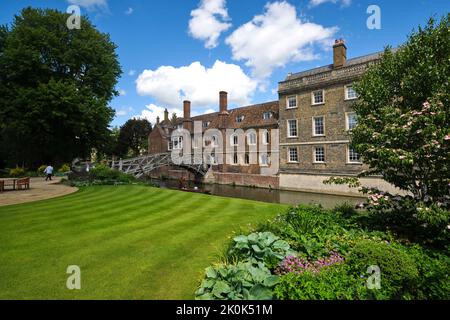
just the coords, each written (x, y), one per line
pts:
(298, 265)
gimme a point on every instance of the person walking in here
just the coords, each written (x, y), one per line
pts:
(49, 172)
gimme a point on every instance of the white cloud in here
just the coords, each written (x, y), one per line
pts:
(152, 111)
(122, 92)
(129, 11)
(124, 111)
(170, 85)
(131, 73)
(314, 3)
(209, 21)
(276, 38)
(90, 4)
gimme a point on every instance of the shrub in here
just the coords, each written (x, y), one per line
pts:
(398, 270)
(102, 174)
(346, 209)
(17, 172)
(334, 283)
(244, 281)
(42, 168)
(65, 168)
(264, 247)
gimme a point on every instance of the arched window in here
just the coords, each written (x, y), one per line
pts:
(251, 138)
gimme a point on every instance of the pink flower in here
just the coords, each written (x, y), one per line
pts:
(447, 138)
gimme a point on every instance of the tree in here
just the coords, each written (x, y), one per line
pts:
(55, 86)
(174, 119)
(133, 136)
(403, 112)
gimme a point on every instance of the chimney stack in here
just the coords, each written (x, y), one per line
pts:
(157, 120)
(166, 115)
(339, 53)
(187, 122)
(223, 101)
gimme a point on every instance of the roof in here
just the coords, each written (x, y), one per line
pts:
(327, 68)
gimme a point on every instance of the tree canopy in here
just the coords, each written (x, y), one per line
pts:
(55, 86)
(403, 111)
(133, 137)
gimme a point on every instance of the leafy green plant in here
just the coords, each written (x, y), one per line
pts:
(42, 168)
(263, 246)
(17, 172)
(244, 281)
(398, 270)
(335, 283)
(65, 168)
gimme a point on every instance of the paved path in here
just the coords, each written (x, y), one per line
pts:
(39, 190)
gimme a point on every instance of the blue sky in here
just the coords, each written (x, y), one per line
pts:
(191, 49)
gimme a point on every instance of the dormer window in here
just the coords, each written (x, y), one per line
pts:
(206, 124)
(267, 115)
(239, 119)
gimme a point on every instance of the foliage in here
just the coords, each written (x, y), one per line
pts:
(335, 283)
(42, 168)
(17, 172)
(263, 247)
(403, 130)
(55, 86)
(64, 168)
(133, 136)
(104, 173)
(244, 281)
(398, 269)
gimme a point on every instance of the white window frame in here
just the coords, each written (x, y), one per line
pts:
(347, 120)
(266, 137)
(314, 133)
(313, 98)
(178, 145)
(240, 119)
(349, 160)
(270, 115)
(289, 155)
(347, 98)
(249, 139)
(287, 102)
(289, 128)
(315, 155)
(262, 162)
(206, 124)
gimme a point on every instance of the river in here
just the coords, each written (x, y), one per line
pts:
(266, 195)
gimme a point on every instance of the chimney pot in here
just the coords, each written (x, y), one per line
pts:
(157, 120)
(187, 122)
(166, 115)
(339, 53)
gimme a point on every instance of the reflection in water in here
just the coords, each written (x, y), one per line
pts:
(266, 195)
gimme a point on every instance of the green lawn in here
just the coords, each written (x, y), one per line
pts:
(131, 242)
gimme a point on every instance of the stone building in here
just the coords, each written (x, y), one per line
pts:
(315, 118)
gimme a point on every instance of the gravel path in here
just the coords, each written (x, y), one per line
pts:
(39, 190)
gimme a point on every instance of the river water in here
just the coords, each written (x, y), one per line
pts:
(266, 195)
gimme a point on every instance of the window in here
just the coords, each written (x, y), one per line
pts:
(350, 93)
(251, 138)
(292, 102)
(353, 156)
(293, 155)
(264, 159)
(215, 141)
(212, 159)
(234, 140)
(267, 115)
(176, 143)
(235, 159)
(318, 97)
(266, 137)
(292, 129)
(239, 119)
(318, 126)
(247, 158)
(319, 155)
(206, 124)
(352, 121)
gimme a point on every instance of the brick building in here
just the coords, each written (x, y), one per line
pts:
(243, 163)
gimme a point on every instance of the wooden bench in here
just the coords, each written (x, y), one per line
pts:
(2, 186)
(23, 183)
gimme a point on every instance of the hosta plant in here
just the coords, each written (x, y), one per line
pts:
(244, 281)
(262, 247)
